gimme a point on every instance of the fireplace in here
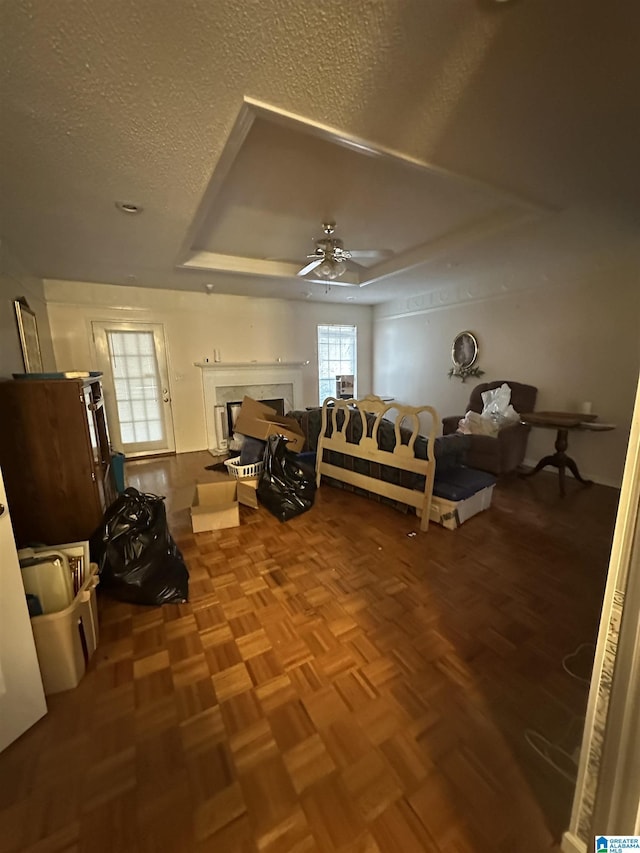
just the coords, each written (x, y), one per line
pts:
(228, 383)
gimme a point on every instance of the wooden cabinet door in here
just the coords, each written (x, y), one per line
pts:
(48, 463)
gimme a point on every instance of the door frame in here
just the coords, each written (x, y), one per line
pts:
(22, 699)
(607, 793)
(99, 329)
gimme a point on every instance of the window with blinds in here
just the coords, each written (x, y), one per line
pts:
(337, 348)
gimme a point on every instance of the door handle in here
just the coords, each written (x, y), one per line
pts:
(2, 509)
(165, 395)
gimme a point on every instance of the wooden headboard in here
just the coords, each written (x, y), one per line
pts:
(367, 448)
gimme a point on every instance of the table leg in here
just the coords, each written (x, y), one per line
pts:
(560, 460)
(571, 465)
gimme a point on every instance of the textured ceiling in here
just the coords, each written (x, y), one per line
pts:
(137, 101)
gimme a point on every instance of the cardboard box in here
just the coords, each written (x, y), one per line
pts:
(216, 505)
(247, 491)
(260, 421)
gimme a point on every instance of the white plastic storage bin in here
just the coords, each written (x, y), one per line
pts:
(66, 640)
(451, 514)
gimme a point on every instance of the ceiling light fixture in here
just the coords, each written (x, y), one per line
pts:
(128, 207)
(329, 258)
(331, 268)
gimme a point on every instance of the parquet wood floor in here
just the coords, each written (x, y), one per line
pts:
(334, 684)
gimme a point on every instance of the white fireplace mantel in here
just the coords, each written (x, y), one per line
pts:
(249, 365)
(217, 375)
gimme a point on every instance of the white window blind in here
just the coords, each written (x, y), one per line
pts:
(337, 348)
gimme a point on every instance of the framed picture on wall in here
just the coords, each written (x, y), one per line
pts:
(29, 341)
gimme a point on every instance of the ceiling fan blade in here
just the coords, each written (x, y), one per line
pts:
(309, 267)
(376, 254)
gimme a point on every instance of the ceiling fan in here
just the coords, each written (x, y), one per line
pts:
(331, 260)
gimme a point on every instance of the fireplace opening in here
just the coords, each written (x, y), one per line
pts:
(233, 409)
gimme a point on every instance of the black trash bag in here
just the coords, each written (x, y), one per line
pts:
(286, 487)
(138, 560)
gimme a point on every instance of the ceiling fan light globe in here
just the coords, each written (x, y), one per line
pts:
(330, 254)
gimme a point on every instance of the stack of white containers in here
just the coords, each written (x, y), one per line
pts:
(66, 633)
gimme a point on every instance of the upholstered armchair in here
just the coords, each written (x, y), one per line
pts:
(504, 452)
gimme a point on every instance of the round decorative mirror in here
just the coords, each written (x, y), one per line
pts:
(464, 351)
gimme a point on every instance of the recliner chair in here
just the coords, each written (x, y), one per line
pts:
(506, 451)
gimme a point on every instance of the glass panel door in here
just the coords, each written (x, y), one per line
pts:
(136, 386)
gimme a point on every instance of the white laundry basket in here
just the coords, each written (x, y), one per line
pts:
(241, 472)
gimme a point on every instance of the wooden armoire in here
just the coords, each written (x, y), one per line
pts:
(55, 457)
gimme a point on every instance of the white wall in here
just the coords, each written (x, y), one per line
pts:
(576, 341)
(16, 282)
(242, 329)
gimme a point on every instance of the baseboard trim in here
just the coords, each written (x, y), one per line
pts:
(572, 844)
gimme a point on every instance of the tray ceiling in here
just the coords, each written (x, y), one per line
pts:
(280, 176)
